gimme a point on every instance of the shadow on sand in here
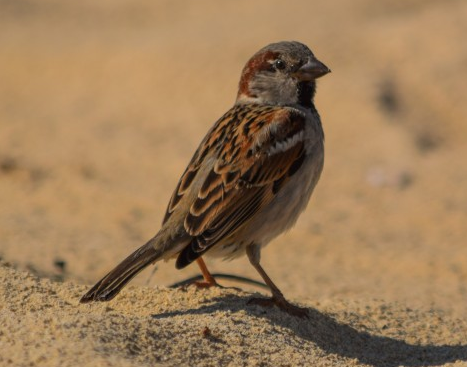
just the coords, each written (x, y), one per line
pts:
(338, 338)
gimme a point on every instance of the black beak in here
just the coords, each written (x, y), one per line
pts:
(312, 70)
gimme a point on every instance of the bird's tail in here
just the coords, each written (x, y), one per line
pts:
(109, 286)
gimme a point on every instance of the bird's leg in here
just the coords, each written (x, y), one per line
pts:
(278, 299)
(209, 280)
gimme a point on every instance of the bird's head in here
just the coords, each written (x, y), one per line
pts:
(282, 73)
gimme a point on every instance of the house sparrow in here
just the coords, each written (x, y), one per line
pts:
(250, 178)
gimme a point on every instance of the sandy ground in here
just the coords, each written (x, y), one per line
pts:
(101, 107)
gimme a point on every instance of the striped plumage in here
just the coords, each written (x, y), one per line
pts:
(251, 176)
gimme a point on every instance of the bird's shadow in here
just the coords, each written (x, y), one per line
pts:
(338, 338)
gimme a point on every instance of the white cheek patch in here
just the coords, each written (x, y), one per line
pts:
(282, 146)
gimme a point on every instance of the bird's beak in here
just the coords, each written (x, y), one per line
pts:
(312, 70)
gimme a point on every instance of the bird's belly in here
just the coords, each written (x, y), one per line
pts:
(279, 215)
(282, 213)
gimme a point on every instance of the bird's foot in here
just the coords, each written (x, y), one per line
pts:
(199, 284)
(203, 284)
(282, 304)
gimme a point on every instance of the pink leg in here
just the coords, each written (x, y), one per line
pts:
(277, 298)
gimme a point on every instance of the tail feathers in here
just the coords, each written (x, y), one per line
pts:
(109, 286)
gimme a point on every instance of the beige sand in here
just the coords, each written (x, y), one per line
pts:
(102, 105)
(43, 325)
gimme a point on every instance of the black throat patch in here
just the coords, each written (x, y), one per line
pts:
(305, 93)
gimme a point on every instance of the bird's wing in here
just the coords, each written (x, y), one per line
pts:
(256, 151)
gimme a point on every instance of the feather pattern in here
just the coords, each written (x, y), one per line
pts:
(254, 150)
(250, 178)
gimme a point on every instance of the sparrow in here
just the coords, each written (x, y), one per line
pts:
(250, 178)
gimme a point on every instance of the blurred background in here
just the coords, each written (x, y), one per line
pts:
(103, 103)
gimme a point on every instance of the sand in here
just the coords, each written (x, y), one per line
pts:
(101, 107)
(44, 325)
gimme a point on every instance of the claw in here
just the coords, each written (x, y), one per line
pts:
(282, 304)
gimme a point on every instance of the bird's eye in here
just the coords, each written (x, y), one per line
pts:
(279, 64)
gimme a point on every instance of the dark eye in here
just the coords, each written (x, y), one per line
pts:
(279, 64)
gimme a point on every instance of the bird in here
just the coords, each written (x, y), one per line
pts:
(250, 178)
